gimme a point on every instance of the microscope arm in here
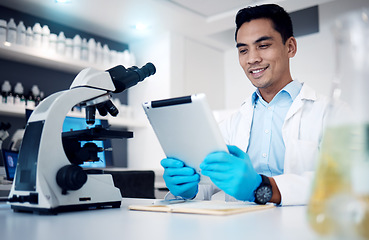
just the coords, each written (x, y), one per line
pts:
(114, 80)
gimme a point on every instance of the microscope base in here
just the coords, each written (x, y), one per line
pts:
(67, 208)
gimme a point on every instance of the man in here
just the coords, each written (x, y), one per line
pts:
(274, 137)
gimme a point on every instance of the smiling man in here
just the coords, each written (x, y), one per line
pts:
(264, 56)
(274, 138)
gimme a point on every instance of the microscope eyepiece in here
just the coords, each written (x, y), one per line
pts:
(147, 70)
(124, 78)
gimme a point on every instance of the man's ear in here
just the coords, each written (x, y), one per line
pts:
(291, 45)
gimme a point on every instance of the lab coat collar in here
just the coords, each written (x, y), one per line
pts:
(292, 89)
(306, 94)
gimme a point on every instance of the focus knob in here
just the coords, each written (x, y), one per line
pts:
(71, 177)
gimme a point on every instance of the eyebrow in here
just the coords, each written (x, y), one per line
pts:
(263, 38)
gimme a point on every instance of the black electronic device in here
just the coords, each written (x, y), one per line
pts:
(10, 159)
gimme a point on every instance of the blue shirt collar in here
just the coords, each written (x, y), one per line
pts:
(292, 89)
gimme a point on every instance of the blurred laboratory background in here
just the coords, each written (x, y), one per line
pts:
(44, 44)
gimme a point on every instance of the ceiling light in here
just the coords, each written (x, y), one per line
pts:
(63, 1)
(140, 26)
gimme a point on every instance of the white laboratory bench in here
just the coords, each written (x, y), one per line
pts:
(122, 223)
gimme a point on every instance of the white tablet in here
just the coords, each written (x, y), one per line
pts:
(186, 129)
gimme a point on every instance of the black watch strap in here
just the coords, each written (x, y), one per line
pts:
(264, 192)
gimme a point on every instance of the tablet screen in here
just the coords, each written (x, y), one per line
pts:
(186, 129)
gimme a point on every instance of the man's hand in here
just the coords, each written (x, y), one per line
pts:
(181, 180)
(232, 172)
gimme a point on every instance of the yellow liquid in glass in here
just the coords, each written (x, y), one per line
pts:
(341, 145)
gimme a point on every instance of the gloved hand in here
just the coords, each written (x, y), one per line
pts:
(181, 180)
(232, 172)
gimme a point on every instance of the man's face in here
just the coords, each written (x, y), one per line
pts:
(263, 56)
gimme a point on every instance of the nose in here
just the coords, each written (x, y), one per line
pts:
(253, 57)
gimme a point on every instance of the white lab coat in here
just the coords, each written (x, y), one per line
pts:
(302, 134)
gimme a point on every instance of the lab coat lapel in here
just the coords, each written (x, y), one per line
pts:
(305, 94)
(291, 127)
(247, 112)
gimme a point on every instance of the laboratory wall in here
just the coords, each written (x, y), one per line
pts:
(237, 86)
(204, 72)
(184, 67)
(315, 60)
(313, 63)
(144, 151)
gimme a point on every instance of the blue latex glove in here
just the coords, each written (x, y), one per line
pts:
(232, 172)
(181, 180)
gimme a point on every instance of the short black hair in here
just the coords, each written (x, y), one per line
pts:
(281, 19)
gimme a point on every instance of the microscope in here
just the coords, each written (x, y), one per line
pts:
(48, 177)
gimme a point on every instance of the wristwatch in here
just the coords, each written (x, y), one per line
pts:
(264, 192)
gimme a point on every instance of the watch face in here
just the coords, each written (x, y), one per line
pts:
(263, 194)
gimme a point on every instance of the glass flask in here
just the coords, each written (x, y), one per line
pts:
(339, 202)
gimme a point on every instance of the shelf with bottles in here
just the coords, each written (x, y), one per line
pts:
(38, 46)
(46, 59)
(12, 110)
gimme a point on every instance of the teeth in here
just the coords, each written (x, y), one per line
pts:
(257, 71)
